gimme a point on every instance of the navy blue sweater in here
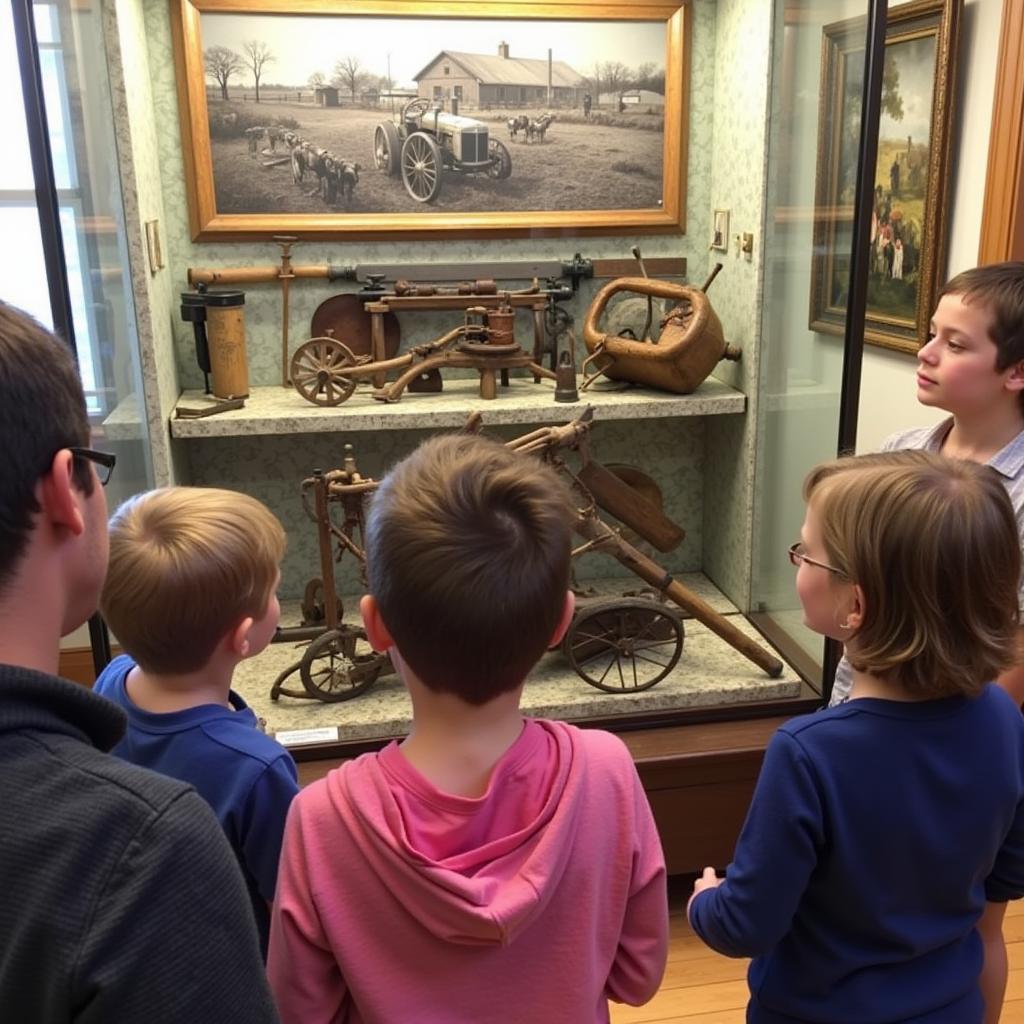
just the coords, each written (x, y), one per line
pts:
(877, 831)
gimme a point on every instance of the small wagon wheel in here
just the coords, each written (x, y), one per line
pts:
(331, 670)
(316, 374)
(421, 167)
(624, 645)
(314, 603)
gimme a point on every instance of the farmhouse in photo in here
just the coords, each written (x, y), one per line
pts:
(481, 80)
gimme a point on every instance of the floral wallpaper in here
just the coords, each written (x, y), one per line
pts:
(704, 466)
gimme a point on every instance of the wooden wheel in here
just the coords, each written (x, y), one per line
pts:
(624, 645)
(332, 670)
(317, 371)
(314, 603)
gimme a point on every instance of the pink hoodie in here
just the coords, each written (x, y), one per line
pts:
(399, 904)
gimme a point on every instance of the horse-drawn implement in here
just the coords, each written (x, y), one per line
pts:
(619, 644)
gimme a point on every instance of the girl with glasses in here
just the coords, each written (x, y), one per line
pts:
(883, 829)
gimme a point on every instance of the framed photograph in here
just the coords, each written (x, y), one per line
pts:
(720, 231)
(382, 118)
(907, 246)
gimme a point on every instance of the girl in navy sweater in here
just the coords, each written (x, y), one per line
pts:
(882, 829)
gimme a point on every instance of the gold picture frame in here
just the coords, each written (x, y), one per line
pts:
(906, 253)
(229, 159)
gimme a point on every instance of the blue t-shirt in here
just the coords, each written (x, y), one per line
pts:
(247, 777)
(877, 831)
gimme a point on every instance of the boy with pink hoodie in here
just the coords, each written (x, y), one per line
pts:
(489, 867)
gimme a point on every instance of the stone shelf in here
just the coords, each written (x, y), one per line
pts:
(709, 674)
(277, 410)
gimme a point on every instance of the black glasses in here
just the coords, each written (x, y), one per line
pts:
(104, 461)
(796, 556)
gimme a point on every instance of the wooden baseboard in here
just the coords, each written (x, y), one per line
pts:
(76, 664)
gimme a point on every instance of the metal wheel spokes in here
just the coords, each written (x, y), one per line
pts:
(624, 646)
(421, 167)
(334, 669)
(316, 371)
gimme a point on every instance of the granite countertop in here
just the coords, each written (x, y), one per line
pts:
(278, 410)
(709, 673)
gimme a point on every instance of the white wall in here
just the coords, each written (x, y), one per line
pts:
(887, 395)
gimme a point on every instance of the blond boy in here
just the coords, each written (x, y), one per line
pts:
(191, 592)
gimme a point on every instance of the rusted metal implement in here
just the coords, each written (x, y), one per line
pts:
(617, 644)
(325, 370)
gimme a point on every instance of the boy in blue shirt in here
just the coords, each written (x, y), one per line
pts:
(191, 592)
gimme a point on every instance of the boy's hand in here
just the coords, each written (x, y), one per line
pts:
(707, 880)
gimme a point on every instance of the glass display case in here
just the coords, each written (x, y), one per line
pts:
(726, 461)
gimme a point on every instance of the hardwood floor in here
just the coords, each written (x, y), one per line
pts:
(701, 987)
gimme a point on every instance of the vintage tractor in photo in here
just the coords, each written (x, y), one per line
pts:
(424, 141)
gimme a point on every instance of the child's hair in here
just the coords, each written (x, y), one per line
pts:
(1000, 288)
(42, 410)
(187, 564)
(468, 547)
(933, 544)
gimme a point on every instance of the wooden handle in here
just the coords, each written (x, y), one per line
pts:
(629, 506)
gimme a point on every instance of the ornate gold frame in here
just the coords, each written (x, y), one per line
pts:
(907, 21)
(206, 224)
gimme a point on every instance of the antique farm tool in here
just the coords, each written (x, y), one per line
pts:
(338, 664)
(343, 317)
(617, 644)
(325, 370)
(218, 322)
(623, 655)
(685, 352)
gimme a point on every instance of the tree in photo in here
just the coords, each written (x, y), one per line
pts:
(256, 55)
(348, 72)
(221, 63)
(317, 80)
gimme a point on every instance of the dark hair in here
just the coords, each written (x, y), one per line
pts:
(1000, 288)
(468, 547)
(42, 410)
(933, 544)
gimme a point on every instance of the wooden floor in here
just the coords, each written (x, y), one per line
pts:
(701, 987)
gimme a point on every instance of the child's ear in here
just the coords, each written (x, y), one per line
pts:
(855, 614)
(1015, 378)
(376, 632)
(238, 638)
(563, 623)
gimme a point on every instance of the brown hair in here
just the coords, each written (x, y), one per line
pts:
(187, 564)
(42, 410)
(468, 548)
(933, 544)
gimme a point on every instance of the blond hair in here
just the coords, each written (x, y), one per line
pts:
(468, 548)
(933, 544)
(187, 564)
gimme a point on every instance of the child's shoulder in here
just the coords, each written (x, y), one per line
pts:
(927, 439)
(238, 730)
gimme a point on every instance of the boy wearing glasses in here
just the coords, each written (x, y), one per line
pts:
(191, 591)
(123, 902)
